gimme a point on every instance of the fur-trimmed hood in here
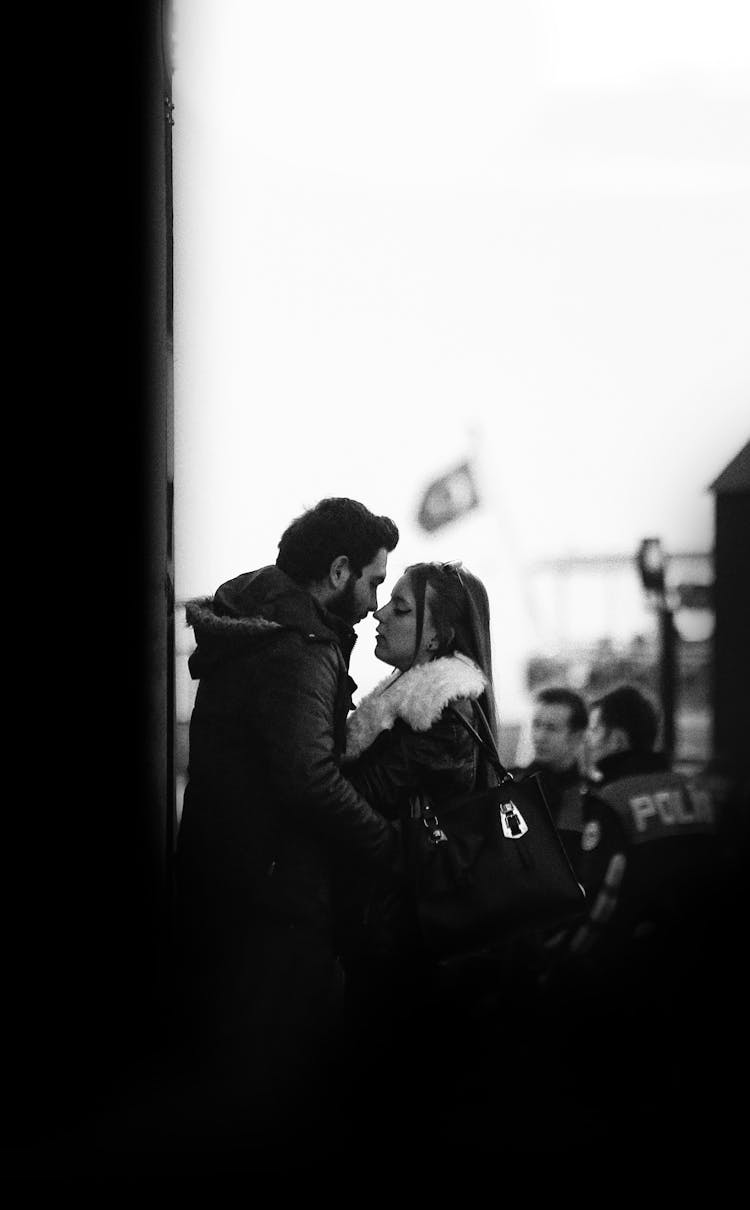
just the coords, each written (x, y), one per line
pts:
(253, 606)
(418, 696)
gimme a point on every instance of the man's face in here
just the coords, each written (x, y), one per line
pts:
(359, 595)
(554, 744)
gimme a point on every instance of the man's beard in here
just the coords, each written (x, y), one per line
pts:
(343, 606)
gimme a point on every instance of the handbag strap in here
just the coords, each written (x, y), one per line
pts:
(487, 745)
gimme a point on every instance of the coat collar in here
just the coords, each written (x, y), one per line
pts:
(418, 696)
(631, 764)
(252, 606)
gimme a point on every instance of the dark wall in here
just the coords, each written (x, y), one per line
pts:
(732, 633)
(132, 889)
(88, 830)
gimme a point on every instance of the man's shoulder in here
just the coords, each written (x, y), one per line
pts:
(659, 804)
(269, 593)
(598, 804)
(287, 644)
(638, 777)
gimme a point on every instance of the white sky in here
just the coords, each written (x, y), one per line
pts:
(406, 232)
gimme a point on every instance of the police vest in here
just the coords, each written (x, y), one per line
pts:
(659, 806)
(669, 828)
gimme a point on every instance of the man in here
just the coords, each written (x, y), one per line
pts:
(558, 730)
(625, 981)
(267, 814)
(648, 843)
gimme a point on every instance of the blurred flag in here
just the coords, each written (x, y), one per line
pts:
(448, 497)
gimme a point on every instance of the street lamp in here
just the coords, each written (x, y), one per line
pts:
(651, 564)
(650, 560)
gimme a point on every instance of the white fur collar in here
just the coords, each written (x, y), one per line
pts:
(418, 696)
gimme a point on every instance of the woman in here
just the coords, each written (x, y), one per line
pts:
(403, 738)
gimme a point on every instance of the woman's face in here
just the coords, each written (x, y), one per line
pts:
(397, 628)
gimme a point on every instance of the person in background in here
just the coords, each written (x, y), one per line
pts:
(629, 974)
(649, 832)
(558, 731)
(268, 815)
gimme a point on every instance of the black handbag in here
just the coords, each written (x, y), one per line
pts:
(487, 865)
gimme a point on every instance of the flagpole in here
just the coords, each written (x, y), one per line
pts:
(511, 650)
(505, 525)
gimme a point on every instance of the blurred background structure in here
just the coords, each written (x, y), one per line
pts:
(485, 267)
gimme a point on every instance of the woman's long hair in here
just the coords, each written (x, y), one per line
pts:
(460, 611)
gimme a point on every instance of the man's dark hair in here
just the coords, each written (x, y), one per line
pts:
(559, 696)
(628, 708)
(335, 526)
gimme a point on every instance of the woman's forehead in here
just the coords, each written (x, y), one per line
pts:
(403, 589)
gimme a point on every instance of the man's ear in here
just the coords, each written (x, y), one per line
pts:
(339, 571)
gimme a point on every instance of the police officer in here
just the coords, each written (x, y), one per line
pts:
(624, 984)
(648, 840)
(558, 731)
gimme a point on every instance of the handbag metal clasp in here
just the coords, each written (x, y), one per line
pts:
(512, 821)
(432, 823)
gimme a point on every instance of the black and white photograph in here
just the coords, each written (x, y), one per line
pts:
(403, 809)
